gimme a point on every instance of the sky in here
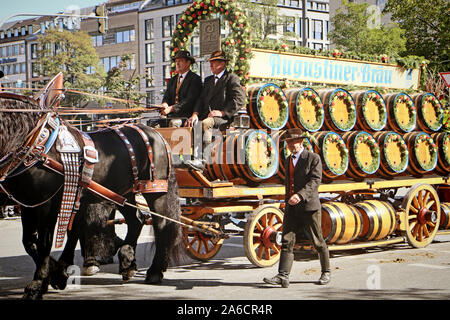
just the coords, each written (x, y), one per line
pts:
(9, 7)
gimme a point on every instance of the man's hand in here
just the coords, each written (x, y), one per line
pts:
(166, 109)
(216, 113)
(192, 120)
(294, 199)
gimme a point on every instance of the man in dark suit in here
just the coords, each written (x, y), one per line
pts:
(221, 98)
(182, 91)
(303, 207)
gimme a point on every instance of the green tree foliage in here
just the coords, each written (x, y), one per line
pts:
(72, 54)
(354, 29)
(427, 25)
(118, 87)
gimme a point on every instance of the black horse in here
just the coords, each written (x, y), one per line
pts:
(39, 190)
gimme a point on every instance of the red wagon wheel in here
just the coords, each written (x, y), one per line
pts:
(423, 211)
(201, 246)
(260, 230)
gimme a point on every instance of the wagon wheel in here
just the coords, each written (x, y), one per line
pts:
(422, 213)
(260, 230)
(201, 246)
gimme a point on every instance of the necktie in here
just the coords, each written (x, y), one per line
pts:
(291, 176)
(216, 78)
(178, 87)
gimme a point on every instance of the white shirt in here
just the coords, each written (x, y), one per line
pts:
(295, 157)
(183, 76)
(218, 76)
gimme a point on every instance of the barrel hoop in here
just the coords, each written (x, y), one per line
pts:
(377, 211)
(330, 210)
(391, 211)
(445, 211)
(369, 216)
(358, 226)
(342, 215)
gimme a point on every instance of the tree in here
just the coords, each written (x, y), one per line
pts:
(118, 87)
(72, 54)
(355, 30)
(427, 25)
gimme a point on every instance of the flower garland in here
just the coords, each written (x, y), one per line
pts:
(271, 152)
(238, 23)
(366, 138)
(404, 154)
(446, 147)
(340, 94)
(425, 138)
(430, 98)
(278, 94)
(378, 100)
(335, 138)
(315, 99)
(403, 97)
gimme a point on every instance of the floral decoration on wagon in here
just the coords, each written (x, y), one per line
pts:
(309, 95)
(392, 144)
(408, 124)
(364, 143)
(333, 142)
(424, 142)
(261, 154)
(432, 118)
(237, 48)
(345, 121)
(272, 106)
(369, 113)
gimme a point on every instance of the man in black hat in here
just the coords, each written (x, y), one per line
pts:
(303, 207)
(221, 98)
(182, 91)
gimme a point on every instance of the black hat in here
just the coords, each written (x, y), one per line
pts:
(218, 55)
(294, 134)
(184, 54)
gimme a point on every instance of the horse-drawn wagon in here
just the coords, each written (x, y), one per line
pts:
(385, 177)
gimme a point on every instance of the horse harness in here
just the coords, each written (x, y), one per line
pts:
(77, 172)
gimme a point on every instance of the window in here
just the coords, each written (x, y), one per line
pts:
(119, 37)
(166, 51)
(195, 46)
(167, 26)
(289, 24)
(149, 53)
(166, 74)
(149, 71)
(325, 31)
(317, 46)
(150, 99)
(317, 29)
(34, 51)
(149, 30)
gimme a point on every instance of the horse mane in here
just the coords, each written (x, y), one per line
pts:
(15, 126)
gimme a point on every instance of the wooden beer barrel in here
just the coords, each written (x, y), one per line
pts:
(334, 154)
(379, 219)
(371, 110)
(364, 154)
(445, 216)
(244, 156)
(340, 110)
(305, 109)
(422, 153)
(394, 153)
(401, 112)
(442, 141)
(267, 106)
(429, 112)
(341, 222)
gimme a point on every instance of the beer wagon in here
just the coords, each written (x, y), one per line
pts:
(380, 187)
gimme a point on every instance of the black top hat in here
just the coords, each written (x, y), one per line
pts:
(218, 55)
(184, 54)
(294, 134)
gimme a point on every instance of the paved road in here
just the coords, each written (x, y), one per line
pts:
(397, 272)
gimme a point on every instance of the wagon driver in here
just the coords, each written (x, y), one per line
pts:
(303, 208)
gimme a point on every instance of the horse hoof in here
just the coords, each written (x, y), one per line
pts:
(154, 278)
(128, 275)
(90, 271)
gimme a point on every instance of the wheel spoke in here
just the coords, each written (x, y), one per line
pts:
(425, 199)
(413, 228)
(415, 203)
(431, 224)
(414, 210)
(277, 226)
(420, 198)
(430, 204)
(259, 226)
(274, 248)
(420, 233)
(425, 231)
(260, 251)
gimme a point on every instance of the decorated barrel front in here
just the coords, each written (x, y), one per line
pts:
(429, 112)
(442, 141)
(422, 153)
(340, 110)
(267, 106)
(341, 222)
(305, 109)
(334, 154)
(364, 154)
(401, 112)
(371, 110)
(250, 156)
(379, 219)
(445, 216)
(394, 154)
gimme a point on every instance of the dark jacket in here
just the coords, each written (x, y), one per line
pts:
(226, 95)
(188, 94)
(307, 179)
